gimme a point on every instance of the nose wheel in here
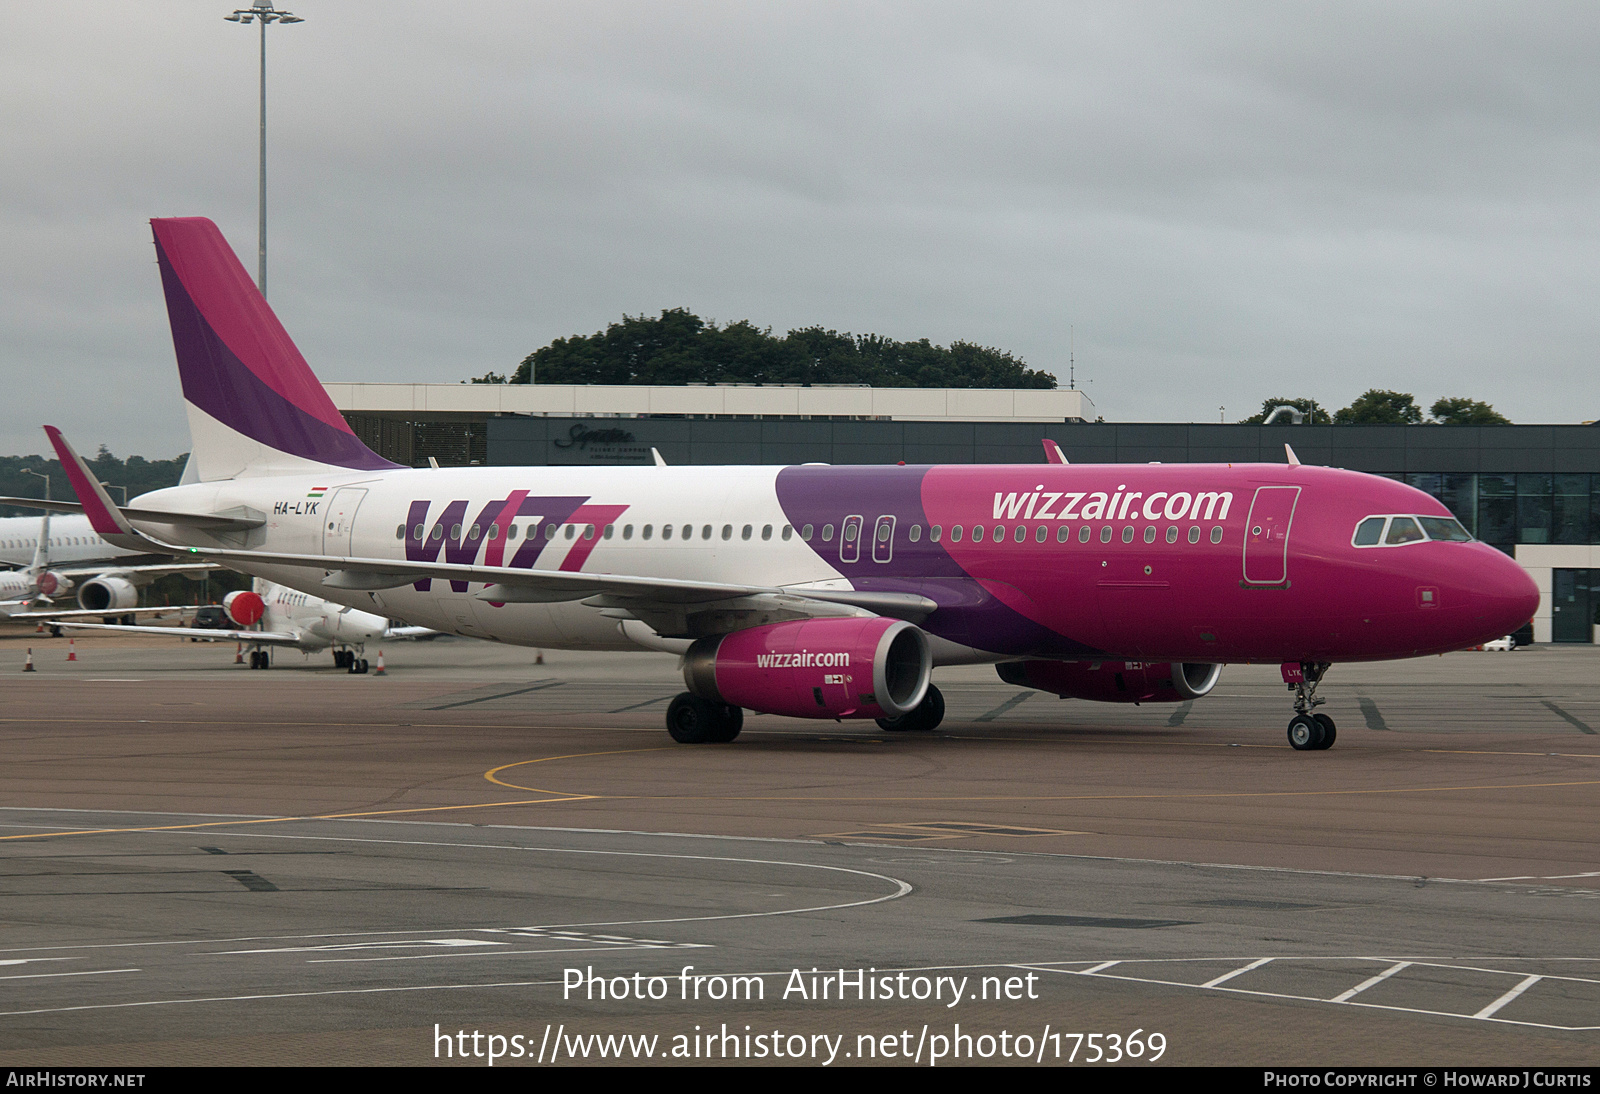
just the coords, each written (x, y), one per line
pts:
(1312, 732)
(1309, 731)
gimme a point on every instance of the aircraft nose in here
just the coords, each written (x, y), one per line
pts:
(1506, 594)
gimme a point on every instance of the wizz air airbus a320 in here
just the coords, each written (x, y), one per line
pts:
(810, 591)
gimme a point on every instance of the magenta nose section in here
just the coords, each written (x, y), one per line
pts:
(1506, 595)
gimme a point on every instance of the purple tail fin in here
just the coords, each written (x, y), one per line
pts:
(254, 405)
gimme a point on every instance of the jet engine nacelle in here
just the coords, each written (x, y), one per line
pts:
(108, 593)
(815, 668)
(1114, 681)
(244, 607)
(51, 583)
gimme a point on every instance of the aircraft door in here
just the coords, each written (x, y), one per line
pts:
(1266, 535)
(850, 540)
(338, 527)
(883, 540)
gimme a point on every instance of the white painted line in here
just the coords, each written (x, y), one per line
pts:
(1545, 877)
(54, 975)
(1345, 997)
(1097, 968)
(1527, 982)
(1225, 977)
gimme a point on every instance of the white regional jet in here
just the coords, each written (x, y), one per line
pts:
(56, 555)
(810, 591)
(63, 553)
(271, 615)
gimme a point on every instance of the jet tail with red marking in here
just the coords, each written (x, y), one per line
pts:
(255, 407)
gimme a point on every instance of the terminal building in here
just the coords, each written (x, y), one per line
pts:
(1533, 491)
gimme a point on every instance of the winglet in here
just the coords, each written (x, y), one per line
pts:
(104, 516)
(1294, 461)
(655, 455)
(1053, 453)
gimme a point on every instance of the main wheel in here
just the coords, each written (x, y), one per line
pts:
(729, 724)
(692, 720)
(1305, 733)
(1330, 732)
(926, 716)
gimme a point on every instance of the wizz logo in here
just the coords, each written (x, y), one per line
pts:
(452, 534)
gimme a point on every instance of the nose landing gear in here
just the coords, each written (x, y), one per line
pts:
(1308, 730)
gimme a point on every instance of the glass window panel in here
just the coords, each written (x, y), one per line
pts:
(1571, 523)
(1533, 518)
(1533, 484)
(1369, 531)
(1402, 530)
(1496, 485)
(1497, 518)
(1448, 530)
(1572, 484)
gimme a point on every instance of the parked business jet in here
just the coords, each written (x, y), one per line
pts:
(285, 618)
(811, 591)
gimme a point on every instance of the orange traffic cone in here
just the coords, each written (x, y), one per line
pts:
(379, 670)
(28, 667)
(238, 653)
(72, 653)
(538, 657)
(40, 628)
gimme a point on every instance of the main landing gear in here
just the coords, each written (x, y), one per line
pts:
(260, 659)
(694, 721)
(1308, 730)
(927, 715)
(347, 660)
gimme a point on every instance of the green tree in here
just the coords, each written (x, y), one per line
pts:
(1377, 407)
(678, 347)
(136, 474)
(1313, 410)
(1466, 412)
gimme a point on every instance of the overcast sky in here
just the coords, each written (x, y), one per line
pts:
(1227, 201)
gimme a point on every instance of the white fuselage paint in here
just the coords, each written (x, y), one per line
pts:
(316, 622)
(297, 522)
(72, 542)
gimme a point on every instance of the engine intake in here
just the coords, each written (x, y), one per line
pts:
(108, 594)
(244, 607)
(1114, 681)
(815, 668)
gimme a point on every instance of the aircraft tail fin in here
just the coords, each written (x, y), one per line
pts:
(255, 407)
(41, 550)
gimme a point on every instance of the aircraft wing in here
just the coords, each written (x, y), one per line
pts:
(81, 613)
(260, 638)
(151, 570)
(516, 586)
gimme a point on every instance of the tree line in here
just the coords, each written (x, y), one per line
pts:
(20, 477)
(1379, 407)
(679, 347)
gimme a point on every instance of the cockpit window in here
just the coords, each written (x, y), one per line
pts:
(1445, 528)
(1405, 529)
(1402, 530)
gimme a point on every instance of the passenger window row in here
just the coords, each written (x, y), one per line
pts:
(588, 531)
(1017, 534)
